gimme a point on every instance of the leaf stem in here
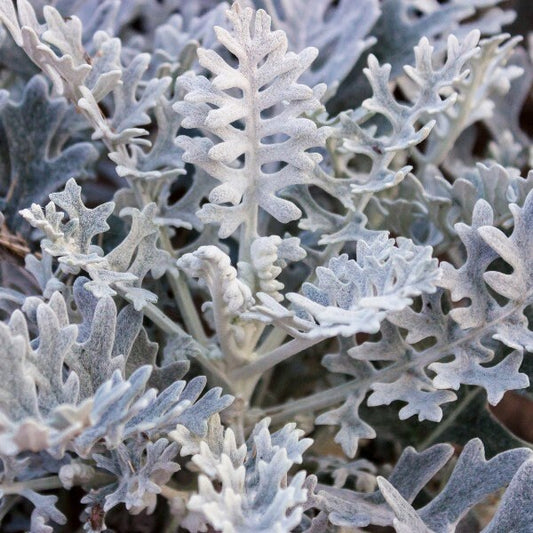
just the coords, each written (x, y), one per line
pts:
(38, 484)
(169, 493)
(52, 482)
(186, 306)
(216, 374)
(273, 358)
(273, 339)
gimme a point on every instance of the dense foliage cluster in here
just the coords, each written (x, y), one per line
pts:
(233, 235)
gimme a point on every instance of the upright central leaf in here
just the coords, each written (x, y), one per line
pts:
(252, 113)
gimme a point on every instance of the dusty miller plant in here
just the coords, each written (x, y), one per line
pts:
(246, 231)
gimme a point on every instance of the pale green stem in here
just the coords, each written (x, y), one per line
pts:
(273, 358)
(337, 169)
(363, 202)
(186, 306)
(327, 398)
(169, 493)
(248, 234)
(256, 335)
(52, 482)
(160, 319)
(182, 294)
(332, 250)
(39, 484)
(249, 228)
(215, 374)
(237, 424)
(274, 339)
